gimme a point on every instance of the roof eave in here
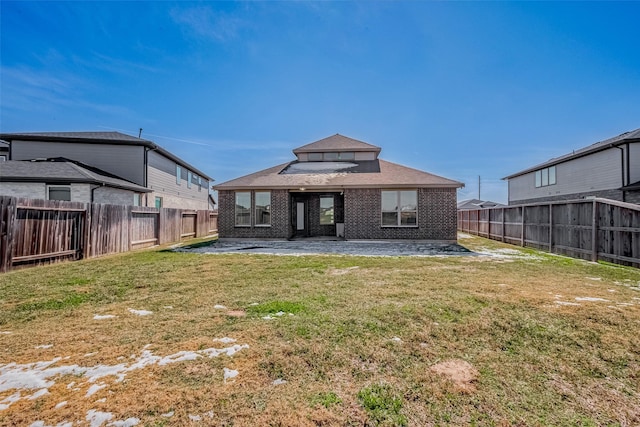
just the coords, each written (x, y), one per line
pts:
(59, 180)
(312, 188)
(142, 142)
(568, 157)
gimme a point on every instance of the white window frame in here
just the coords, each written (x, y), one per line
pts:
(398, 210)
(66, 187)
(238, 193)
(178, 174)
(156, 200)
(255, 209)
(189, 176)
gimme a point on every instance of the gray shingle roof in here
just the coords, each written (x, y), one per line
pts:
(390, 175)
(336, 142)
(99, 138)
(631, 136)
(477, 204)
(62, 170)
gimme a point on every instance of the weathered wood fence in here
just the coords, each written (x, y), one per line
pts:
(593, 229)
(43, 231)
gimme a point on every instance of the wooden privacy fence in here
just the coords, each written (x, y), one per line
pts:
(590, 229)
(42, 231)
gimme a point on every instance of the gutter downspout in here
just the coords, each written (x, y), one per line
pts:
(93, 190)
(622, 169)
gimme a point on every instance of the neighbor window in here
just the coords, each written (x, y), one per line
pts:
(3, 158)
(158, 202)
(545, 177)
(189, 177)
(199, 183)
(59, 193)
(263, 207)
(178, 173)
(326, 210)
(315, 157)
(137, 199)
(400, 208)
(243, 208)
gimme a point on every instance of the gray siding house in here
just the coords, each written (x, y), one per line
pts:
(63, 179)
(172, 182)
(338, 187)
(608, 169)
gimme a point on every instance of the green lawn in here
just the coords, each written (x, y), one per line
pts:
(523, 339)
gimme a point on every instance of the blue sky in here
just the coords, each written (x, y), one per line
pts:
(460, 89)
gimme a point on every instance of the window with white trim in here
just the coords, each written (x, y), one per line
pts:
(189, 177)
(545, 177)
(243, 209)
(59, 192)
(400, 208)
(178, 173)
(263, 208)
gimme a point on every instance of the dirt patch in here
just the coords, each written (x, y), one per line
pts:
(460, 372)
(236, 313)
(341, 271)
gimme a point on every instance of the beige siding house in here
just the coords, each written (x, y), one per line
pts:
(170, 181)
(608, 169)
(338, 187)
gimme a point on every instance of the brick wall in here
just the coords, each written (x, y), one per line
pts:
(280, 224)
(113, 196)
(437, 216)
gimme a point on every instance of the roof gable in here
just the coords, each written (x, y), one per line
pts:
(336, 143)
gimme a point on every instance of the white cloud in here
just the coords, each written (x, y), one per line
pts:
(203, 21)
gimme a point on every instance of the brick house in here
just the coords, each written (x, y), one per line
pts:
(171, 182)
(609, 169)
(338, 187)
(63, 179)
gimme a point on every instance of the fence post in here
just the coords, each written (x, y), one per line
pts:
(8, 209)
(522, 236)
(594, 232)
(87, 231)
(550, 228)
(502, 225)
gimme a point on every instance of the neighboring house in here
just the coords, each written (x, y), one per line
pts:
(63, 179)
(4, 151)
(338, 187)
(173, 182)
(608, 169)
(477, 204)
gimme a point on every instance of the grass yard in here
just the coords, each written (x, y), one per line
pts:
(521, 338)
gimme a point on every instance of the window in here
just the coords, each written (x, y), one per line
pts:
(326, 210)
(199, 183)
(400, 208)
(331, 156)
(243, 209)
(137, 199)
(545, 177)
(59, 193)
(263, 207)
(189, 177)
(158, 202)
(178, 173)
(3, 158)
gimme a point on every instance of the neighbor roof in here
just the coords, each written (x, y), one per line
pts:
(116, 138)
(631, 136)
(61, 170)
(336, 142)
(477, 204)
(390, 175)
